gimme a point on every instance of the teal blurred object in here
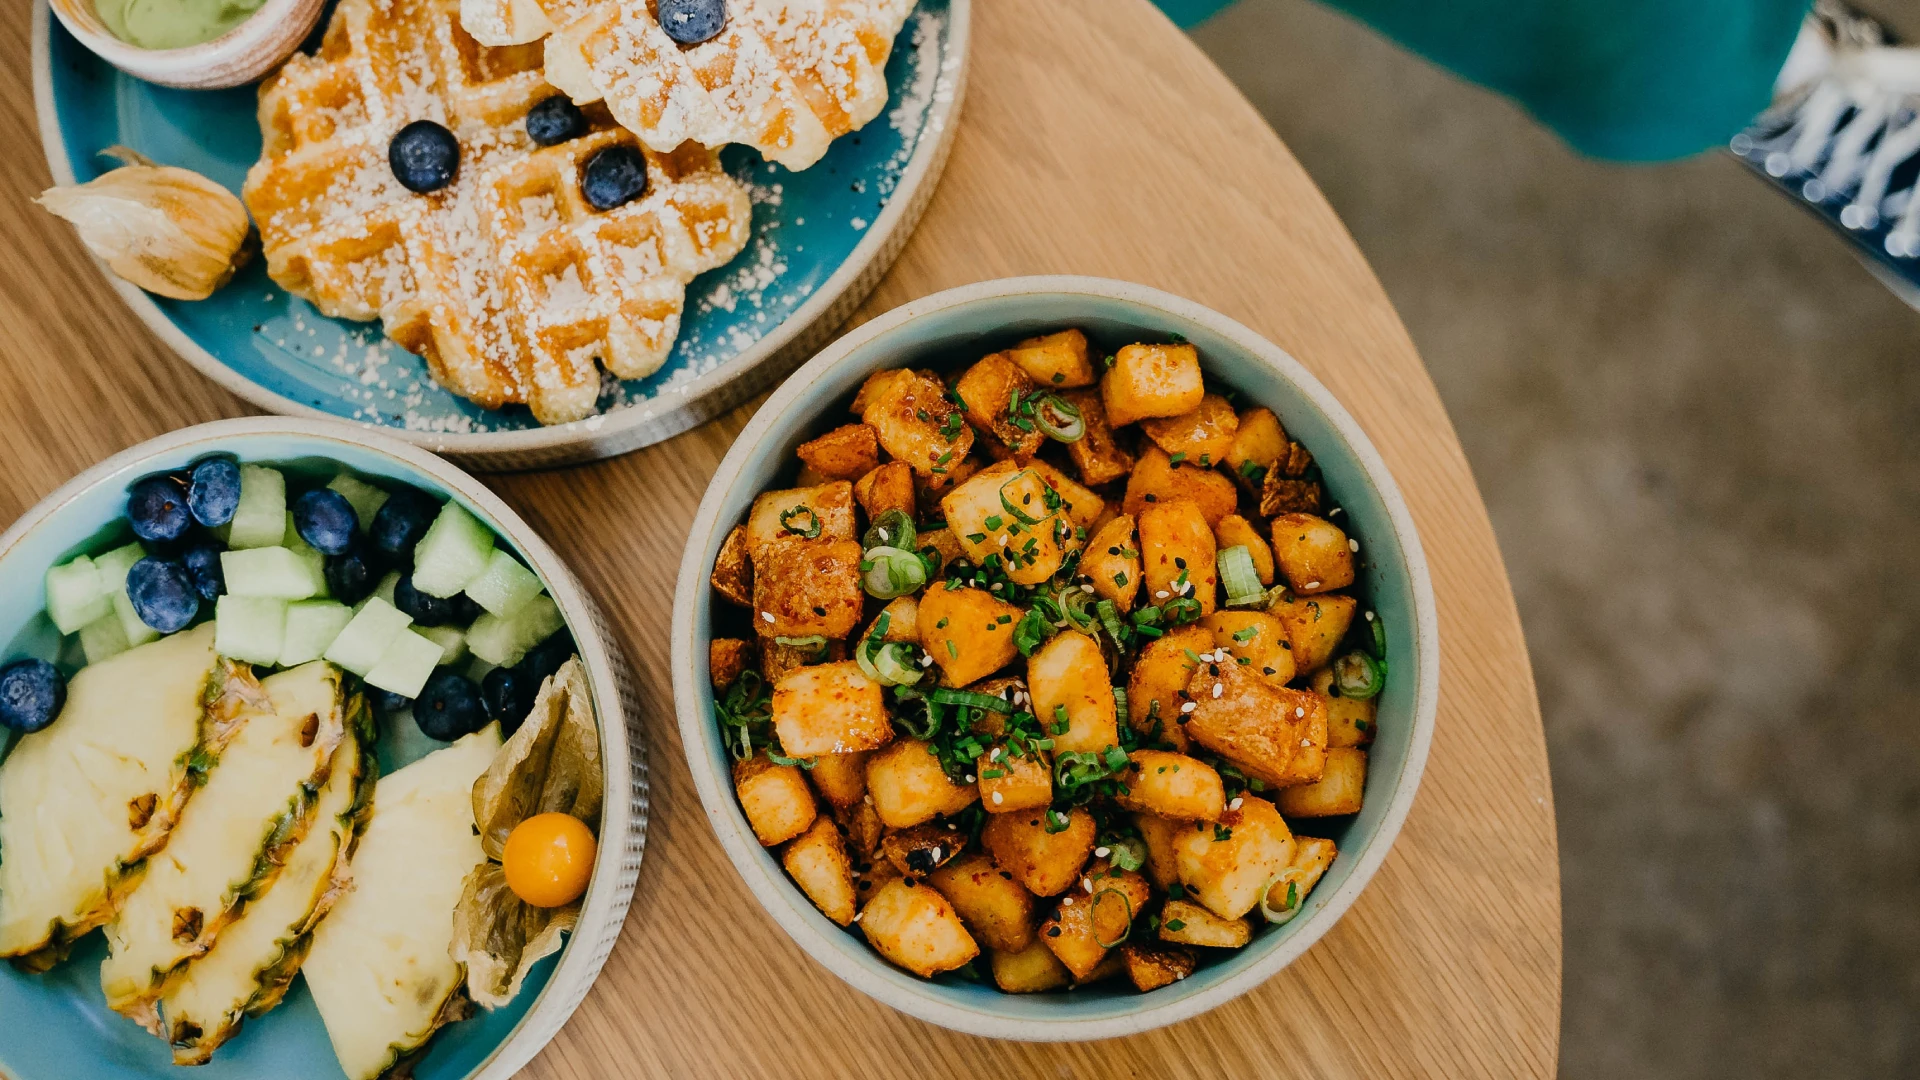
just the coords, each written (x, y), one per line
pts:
(1191, 13)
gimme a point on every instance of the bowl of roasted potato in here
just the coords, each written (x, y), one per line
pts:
(1055, 658)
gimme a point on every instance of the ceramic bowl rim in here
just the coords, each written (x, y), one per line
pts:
(166, 66)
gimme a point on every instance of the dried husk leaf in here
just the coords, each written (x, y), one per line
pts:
(500, 937)
(168, 230)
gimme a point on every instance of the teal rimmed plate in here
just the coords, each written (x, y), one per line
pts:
(822, 238)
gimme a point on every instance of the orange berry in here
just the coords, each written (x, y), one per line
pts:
(548, 859)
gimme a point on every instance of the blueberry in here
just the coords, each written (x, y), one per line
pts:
(325, 519)
(351, 575)
(555, 120)
(545, 658)
(691, 22)
(615, 176)
(31, 693)
(449, 706)
(465, 609)
(162, 594)
(403, 519)
(508, 697)
(423, 156)
(386, 701)
(158, 509)
(425, 610)
(213, 491)
(201, 561)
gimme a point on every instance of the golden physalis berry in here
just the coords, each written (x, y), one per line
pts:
(548, 859)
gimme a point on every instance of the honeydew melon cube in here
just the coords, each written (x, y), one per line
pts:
(454, 551)
(365, 499)
(299, 546)
(261, 518)
(504, 641)
(384, 590)
(277, 572)
(360, 645)
(250, 628)
(311, 627)
(113, 567)
(451, 639)
(405, 664)
(505, 586)
(103, 637)
(74, 595)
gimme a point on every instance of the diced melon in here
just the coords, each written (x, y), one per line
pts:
(261, 518)
(384, 590)
(454, 551)
(270, 571)
(364, 641)
(405, 664)
(505, 586)
(113, 567)
(104, 637)
(74, 595)
(250, 628)
(504, 641)
(311, 627)
(365, 499)
(451, 639)
(308, 554)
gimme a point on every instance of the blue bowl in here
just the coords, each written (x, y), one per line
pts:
(962, 325)
(58, 1026)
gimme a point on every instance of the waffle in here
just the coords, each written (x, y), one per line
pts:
(507, 281)
(786, 77)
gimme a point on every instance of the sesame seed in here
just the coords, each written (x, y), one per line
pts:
(1306, 742)
(868, 799)
(1188, 707)
(1161, 595)
(1369, 616)
(1219, 688)
(935, 852)
(996, 586)
(998, 798)
(995, 756)
(1353, 545)
(1086, 588)
(1066, 901)
(1311, 585)
(1298, 711)
(1235, 804)
(1102, 852)
(767, 615)
(1087, 884)
(860, 915)
(926, 660)
(970, 779)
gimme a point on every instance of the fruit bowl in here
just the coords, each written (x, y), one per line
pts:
(960, 326)
(53, 1014)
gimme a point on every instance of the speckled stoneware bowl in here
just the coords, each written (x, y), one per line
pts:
(961, 325)
(238, 56)
(58, 1026)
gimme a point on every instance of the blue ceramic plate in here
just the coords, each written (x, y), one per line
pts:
(821, 239)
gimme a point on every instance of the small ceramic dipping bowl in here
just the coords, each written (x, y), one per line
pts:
(238, 56)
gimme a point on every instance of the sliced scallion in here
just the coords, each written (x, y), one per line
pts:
(893, 528)
(892, 572)
(1240, 578)
(1128, 853)
(1006, 501)
(1289, 897)
(948, 696)
(1059, 419)
(1358, 675)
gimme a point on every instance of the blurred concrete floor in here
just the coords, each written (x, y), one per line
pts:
(1693, 417)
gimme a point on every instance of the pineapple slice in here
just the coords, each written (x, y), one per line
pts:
(379, 968)
(250, 966)
(256, 804)
(84, 801)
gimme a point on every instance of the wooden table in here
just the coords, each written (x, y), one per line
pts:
(1096, 139)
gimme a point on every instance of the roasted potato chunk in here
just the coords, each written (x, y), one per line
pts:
(1224, 865)
(830, 506)
(1112, 562)
(807, 587)
(968, 632)
(996, 908)
(733, 568)
(776, 799)
(727, 658)
(1157, 685)
(1340, 789)
(1173, 786)
(1350, 721)
(1256, 640)
(1096, 454)
(817, 861)
(1032, 970)
(1057, 361)
(1153, 966)
(1067, 678)
(1177, 556)
(1110, 968)
(1280, 494)
(943, 541)
(1045, 862)
(1163, 866)
(1010, 783)
(845, 453)
(1259, 443)
(1192, 924)
(909, 788)
(992, 390)
(977, 512)
(1311, 857)
(1151, 380)
(1156, 479)
(916, 928)
(1312, 553)
(1270, 731)
(910, 414)
(829, 709)
(777, 661)
(1094, 918)
(1235, 531)
(887, 487)
(862, 828)
(1203, 436)
(922, 849)
(1315, 626)
(1084, 506)
(841, 779)
(903, 621)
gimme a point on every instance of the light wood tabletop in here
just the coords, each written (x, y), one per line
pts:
(1096, 139)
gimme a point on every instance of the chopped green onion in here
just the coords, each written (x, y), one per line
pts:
(1128, 853)
(1110, 618)
(1006, 500)
(811, 532)
(1358, 675)
(803, 762)
(1290, 900)
(1181, 610)
(971, 699)
(889, 664)
(894, 529)
(1375, 634)
(1240, 578)
(1120, 701)
(1060, 419)
(893, 572)
(1127, 927)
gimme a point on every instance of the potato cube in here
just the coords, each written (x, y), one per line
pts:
(888, 487)
(1153, 966)
(1151, 380)
(1095, 917)
(998, 909)
(978, 513)
(1112, 562)
(775, 798)
(877, 385)
(1045, 862)
(1312, 553)
(993, 390)
(845, 453)
(829, 709)
(1156, 479)
(1288, 495)
(1067, 679)
(1350, 721)
(1259, 443)
(825, 511)
(1157, 685)
(1177, 556)
(943, 541)
(909, 787)
(816, 860)
(871, 873)
(903, 621)
(841, 779)
(1032, 970)
(1173, 786)
(916, 928)
(727, 658)
(1084, 507)
(968, 632)
(1340, 789)
(806, 587)
(1096, 454)
(1203, 437)
(1315, 626)
(1163, 866)
(1058, 361)
(1235, 531)
(778, 660)
(862, 826)
(1192, 924)
(1011, 689)
(922, 849)
(1256, 640)
(1110, 968)
(915, 422)
(1010, 783)
(1224, 865)
(733, 568)
(1268, 730)
(1311, 858)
